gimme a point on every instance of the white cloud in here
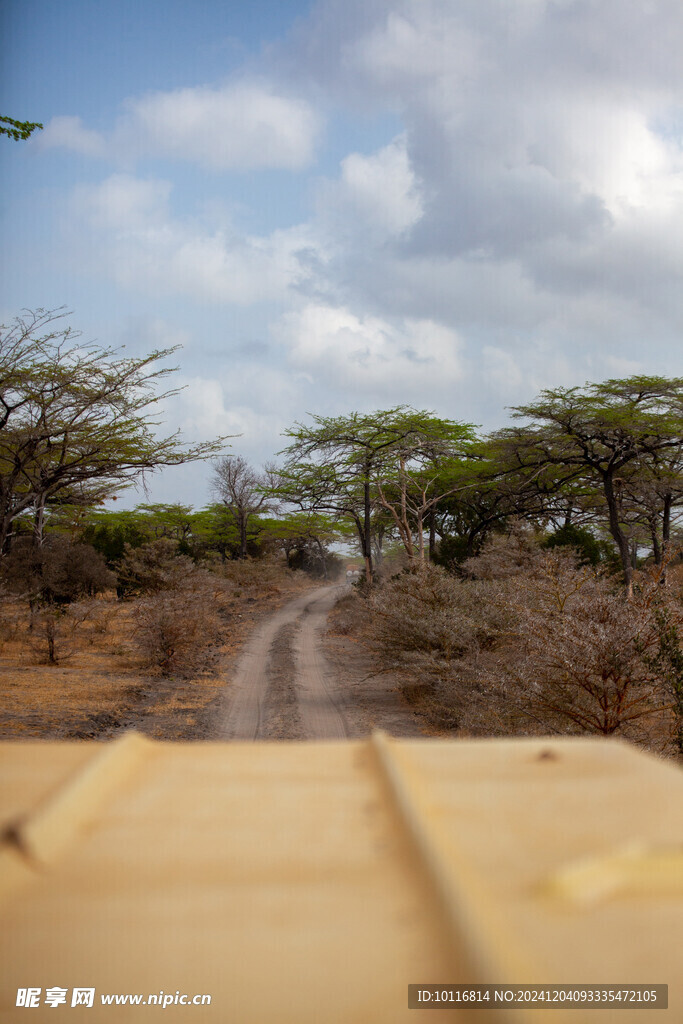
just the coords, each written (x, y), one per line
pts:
(525, 121)
(125, 205)
(376, 196)
(252, 407)
(502, 371)
(146, 248)
(240, 126)
(368, 355)
(415, 44)
(211, 408)
(536, 199)
(70, 133)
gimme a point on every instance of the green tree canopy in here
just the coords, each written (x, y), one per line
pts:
(349, 466)
(72, 416)
(599, 436)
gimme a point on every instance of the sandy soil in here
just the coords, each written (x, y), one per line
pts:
(297, 680)
(281, 671)
(282, 687)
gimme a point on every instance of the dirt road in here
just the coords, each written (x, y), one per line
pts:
(283, 687)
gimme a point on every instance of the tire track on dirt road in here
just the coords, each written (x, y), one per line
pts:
(319, 711)
(242, 717)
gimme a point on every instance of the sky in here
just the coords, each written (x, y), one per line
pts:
(343, 205)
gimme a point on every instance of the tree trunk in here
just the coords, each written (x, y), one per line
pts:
(243, 537)
(634, 554)
(321, 552)
(6, 536)
(617, 533)
(366, 541)
(666, 520)
(666, 535)
(432, 535)
(39, 522)
(656, 547)
(50, 631)
(377, 542)
(420, 537)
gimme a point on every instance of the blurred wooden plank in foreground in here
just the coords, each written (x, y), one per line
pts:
(313, 882)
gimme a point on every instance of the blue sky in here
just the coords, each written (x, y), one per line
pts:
(349, 204)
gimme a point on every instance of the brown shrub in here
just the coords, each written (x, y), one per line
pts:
(349, 615)
(581, 658)
(505, 555)
(153, 567)
(55, 631)
(254, 578)
(427, 617)
(56, 572)
(536, 643)
(175, 631)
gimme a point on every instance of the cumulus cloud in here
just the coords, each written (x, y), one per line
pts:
(211, 408)
(252, 408)
(376, 197)
(145, 247)
(70, 133)
(368, 355)
(239, 126)
(539, 177)
(524, 121)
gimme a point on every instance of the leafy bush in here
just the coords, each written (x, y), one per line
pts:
(451, 551)
(111, 538)
(587, 547)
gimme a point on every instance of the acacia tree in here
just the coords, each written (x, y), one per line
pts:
(325, 489)
(243, 493)
(347, 466)
(418, 471)
(329, 468)
(76, 419)
(597, 435)
(477, 498)
(651, 493)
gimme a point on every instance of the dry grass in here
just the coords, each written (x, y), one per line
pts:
(64, 699)
(104, 685)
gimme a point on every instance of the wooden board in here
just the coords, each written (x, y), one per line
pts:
(300, 883)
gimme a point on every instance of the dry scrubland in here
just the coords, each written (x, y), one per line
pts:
(526, 641)
(156, 662)
(521, 640)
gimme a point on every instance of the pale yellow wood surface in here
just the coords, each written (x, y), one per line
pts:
(509, 816)
(313, 882)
